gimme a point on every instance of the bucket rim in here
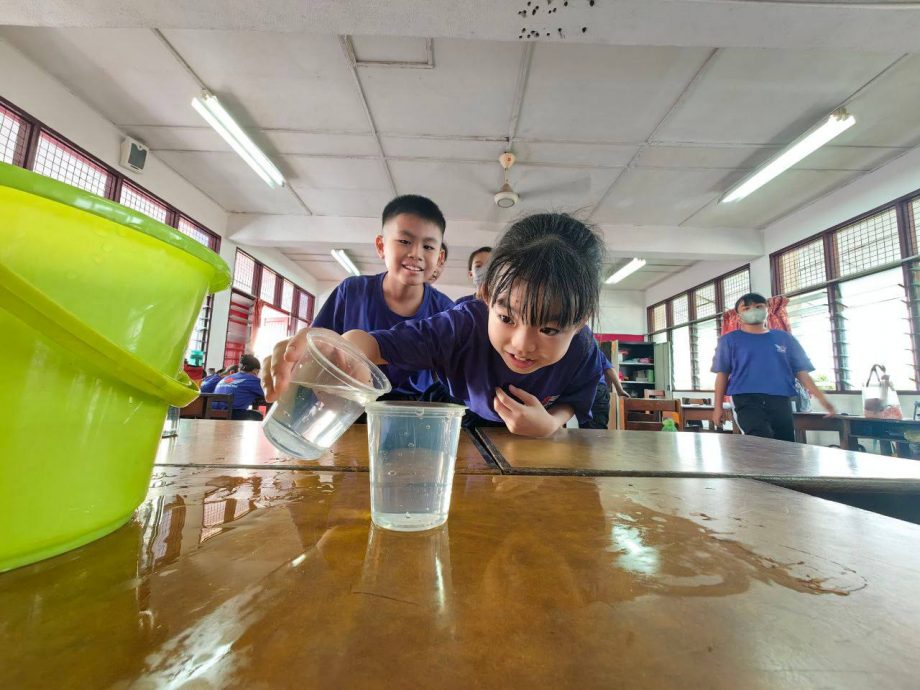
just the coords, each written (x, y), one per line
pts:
(30, 182)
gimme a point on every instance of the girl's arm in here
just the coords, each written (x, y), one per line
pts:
(610, 375)
(805, 379)
(367, 344)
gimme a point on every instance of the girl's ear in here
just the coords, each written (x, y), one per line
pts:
(378, 243)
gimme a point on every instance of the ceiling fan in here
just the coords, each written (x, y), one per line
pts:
(506, 197)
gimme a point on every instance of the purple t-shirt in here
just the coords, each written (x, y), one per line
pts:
(358, 303)
(455, 344)
(465, 298)
(243, 386)
(763, 363)
(209, 383)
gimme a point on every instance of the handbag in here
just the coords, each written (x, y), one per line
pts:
(880, 400)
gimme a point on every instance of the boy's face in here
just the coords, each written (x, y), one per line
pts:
(526, 348)
(748, 307)
(410, 247)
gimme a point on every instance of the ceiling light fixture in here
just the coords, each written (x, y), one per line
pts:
(345, 261)
(627, 270)
(837, 122)
(215, 115)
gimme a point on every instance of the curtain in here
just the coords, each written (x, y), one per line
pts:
(777, 316)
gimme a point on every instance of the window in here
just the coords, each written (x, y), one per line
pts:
(198, 233)
(244, 272)
(135, 199)
(14, 133)
(55, 159)
(692, 323)
(287, 296)
(199, 337)
(853, 291)
(915, 220)
(269, 281)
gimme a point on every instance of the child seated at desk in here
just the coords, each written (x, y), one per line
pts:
(523, 356)
(245, 388)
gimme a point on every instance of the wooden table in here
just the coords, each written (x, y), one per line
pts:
(246, 578)
(889, 432)
(242, 444)
(703, 413)
(593, 452)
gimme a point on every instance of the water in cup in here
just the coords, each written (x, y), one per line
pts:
(324, 397)
(413, 447)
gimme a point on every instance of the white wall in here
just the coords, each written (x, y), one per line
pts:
(45, 98)
(622, 311)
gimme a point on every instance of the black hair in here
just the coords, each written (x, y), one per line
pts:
(420, 206)
(469, 263)
(249, 363)
(749, 299)
(559, 258)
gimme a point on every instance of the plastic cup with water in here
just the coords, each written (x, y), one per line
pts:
(413, 448)
(329, 389)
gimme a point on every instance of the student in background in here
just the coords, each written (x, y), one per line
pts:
(440, 267)
(758, 367)
(245, 388)
(476, 267)
(208, 385)
(600, 409)
(521, 356)
(410, 245)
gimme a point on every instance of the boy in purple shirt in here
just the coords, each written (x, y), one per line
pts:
(758, 367)
(476, 269)
(522, 356)
(245, 388)
(410, 245)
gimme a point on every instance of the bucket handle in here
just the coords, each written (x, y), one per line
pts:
(34, 308)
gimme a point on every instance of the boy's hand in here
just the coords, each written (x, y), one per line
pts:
(717, 418)
(528, 417)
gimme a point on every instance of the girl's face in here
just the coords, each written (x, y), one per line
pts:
(526, 348)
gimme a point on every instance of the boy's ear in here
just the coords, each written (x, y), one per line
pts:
(378, 243)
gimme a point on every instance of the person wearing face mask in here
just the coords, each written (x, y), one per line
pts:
(758, 368)
(476, 266)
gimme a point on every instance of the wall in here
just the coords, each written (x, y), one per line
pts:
(622, 311)
(35, 91)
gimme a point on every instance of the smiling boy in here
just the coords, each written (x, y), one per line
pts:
(410, 245)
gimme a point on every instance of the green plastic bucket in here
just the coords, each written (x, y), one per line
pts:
(97, 304)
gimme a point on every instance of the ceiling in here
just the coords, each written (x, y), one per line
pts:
(634, 136)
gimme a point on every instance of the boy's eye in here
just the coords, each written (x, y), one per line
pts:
(504, 318)
(429, 248)
(549, 331)
(403, 241)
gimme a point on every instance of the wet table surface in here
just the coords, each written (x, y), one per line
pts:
(687, 454)
(245, 578)
(225, 443)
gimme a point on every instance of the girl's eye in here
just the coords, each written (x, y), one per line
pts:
(504, 318)
(549, 331)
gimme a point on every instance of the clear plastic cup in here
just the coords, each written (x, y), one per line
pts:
(412, 448)
(328, 391)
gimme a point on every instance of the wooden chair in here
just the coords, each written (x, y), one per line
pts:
(202, 407)
(651, 394)
(646, 415)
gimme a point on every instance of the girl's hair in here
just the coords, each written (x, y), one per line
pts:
(558, 259)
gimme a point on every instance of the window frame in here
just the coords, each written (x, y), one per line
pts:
(278, 297)
(693, 320)
(908, 262)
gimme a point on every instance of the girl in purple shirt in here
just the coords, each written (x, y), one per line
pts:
(523, 356)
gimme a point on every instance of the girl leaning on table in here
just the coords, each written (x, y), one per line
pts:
(522, 355)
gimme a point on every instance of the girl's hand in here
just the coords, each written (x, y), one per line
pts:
(277, 368)
(526, 418)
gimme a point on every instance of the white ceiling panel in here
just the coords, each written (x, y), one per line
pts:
(603, 155)
(454, 149)
(750, 157)
(338, 173)
(658, 197)
(788, 191)
(469, 91)
(126, 74)
(768, 96)
(230, 182)
(320, 144)
(361, 203)
(387, 49)
(613, 94)
(280, 81)
(888, 113)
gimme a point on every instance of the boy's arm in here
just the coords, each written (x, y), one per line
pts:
(721, 386)
(805, 379)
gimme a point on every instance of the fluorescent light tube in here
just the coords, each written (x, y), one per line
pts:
(345, 261)
(214, 114)
(837, 122)
(627, 270)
